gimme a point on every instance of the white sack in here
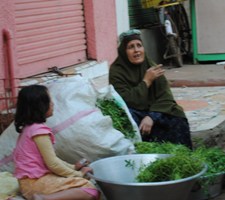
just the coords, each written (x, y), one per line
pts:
(81, 129)
(9, 186)
(7, 144)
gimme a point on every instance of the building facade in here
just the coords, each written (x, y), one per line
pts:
(38, 35)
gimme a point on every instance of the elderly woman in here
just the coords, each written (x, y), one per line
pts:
(145, 89)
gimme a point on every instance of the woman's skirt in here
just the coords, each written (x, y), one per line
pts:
(166, 128)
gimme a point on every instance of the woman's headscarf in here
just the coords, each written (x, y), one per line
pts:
(124, 39)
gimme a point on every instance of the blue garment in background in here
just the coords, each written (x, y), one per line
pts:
(166, 128)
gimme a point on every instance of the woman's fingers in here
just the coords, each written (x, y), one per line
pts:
(146, 125)
(153, 73)
(157, 67)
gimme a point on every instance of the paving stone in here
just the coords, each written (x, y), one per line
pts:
(201, 105)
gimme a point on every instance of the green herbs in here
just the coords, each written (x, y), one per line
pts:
(130, 163)
(213, 157)
(119, 117)
(162, 148)
(167, 169)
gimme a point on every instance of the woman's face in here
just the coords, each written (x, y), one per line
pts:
(135, 52)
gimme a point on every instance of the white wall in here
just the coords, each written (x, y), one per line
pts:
(187, 8)
(122, 16)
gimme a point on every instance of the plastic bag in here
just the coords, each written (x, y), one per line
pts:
(9, 185)
(81, 129)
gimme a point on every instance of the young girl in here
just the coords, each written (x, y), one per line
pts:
(41, 174)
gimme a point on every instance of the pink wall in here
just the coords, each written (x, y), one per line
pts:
(7, 67)
(101, 31)
(6, 23)
(100, 17)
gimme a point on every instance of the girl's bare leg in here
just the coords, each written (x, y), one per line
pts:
(70, 194)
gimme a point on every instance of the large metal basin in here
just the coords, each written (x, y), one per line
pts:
(210, 190)
(118, 181)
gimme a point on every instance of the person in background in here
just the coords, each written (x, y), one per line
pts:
(146, 91)
(41, 174)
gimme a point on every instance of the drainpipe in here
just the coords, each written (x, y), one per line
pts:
(9, 67)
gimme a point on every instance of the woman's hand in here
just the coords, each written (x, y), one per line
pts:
(146, 125)
(153, 73)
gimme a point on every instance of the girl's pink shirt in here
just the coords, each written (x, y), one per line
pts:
(27, 158)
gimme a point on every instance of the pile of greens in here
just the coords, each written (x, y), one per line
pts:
(161, 148)
(172, 168)
(213, 157)
(119, 117)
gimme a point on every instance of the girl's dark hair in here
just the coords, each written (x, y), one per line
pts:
(32, 105)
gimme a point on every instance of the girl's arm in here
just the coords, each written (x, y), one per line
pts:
(53, 163)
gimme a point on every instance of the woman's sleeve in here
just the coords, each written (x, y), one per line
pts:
(136, 96)
(163, 90)
(53, 163)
